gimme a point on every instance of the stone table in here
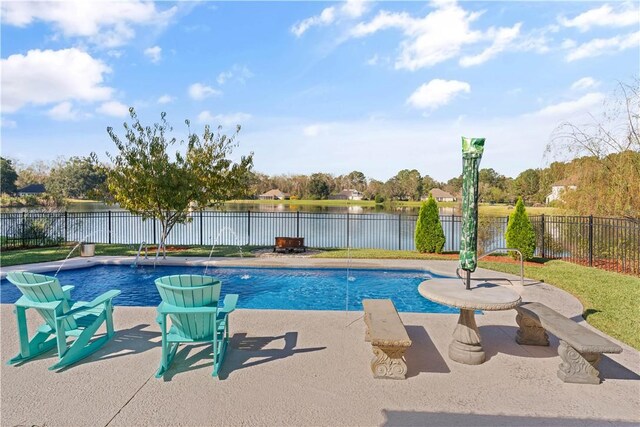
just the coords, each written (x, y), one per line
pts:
(466, 346)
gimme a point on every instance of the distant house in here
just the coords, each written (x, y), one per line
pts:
(560, 187)
(440, 196)
(274, 195)
(347, 195)
(32, 190)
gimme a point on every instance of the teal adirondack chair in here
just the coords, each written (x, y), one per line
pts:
(191, 302)
(63, 318)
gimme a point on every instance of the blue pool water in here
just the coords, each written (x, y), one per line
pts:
(263, 288)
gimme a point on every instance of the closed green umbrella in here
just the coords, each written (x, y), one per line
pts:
(472, 149)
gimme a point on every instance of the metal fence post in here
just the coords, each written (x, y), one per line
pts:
(297, 223)
(400, 231)
(66, 239)
(453, 223)
(542, 220)
(109, 228)
(590, 240)
(24, 225)
(347, 229)
(155, 240)
(248, 227)
(201, 229)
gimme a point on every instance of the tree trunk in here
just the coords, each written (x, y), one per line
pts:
(163, 241)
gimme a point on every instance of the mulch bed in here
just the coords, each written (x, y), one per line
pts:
(509, 260)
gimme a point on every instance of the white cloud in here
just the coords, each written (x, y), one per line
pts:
(351, 9)
(48, 76)
(442, 34)
(604, 16)
(237, 72)
(437, 93)
(446, 32)
(64, 112)
(108, 24)
(373, 60)
(165, 99)
(581, 105)
(315, 130)
(8, 124)
(584, 83)
(354, 8)
(597, 47)
(502, 38)
(113, 108)
(326, 17)
(154, 54)
(438, 36)
(225, 120)
(200, 91)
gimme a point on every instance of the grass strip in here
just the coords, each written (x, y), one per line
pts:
(30, 256)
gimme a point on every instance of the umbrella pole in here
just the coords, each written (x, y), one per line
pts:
(468, 280)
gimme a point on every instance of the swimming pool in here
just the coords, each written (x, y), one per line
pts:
(259, 288)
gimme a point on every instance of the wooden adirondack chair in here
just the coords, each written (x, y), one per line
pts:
(191, 302)
(64, 318)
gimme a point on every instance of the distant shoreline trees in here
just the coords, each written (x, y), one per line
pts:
(533, 185)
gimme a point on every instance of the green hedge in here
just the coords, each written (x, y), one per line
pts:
(429, 236)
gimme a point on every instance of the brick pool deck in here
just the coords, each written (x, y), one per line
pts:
(312, 368)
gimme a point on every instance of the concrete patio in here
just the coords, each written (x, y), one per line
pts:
(312, 368)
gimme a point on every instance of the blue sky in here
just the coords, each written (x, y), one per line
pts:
(317, 86)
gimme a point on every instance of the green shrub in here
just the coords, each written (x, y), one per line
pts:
(520, 234)
(379, 199)
(429, 236)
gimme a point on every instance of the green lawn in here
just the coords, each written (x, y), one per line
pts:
(610, 300)
(382, 254)
(29, 256)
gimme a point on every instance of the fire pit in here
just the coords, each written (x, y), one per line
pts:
(289, 244)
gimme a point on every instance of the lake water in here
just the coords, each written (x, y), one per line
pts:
(247, 227)
(351, 207)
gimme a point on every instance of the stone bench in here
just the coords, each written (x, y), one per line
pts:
(580, 348)
(388, 337)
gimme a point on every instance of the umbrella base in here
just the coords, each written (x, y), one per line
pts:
(466, 347)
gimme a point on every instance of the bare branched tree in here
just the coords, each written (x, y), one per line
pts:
(607, 153)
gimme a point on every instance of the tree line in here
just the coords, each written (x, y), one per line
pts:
(410, 185)
(84, 178)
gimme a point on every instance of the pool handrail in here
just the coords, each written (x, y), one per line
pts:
(146, 252)
(499, 278)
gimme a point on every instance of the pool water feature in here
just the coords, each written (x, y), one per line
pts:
(224, 232)
(259, 288)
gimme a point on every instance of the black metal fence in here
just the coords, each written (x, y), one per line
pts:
(608, 243)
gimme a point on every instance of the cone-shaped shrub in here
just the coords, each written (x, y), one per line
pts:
(520, 234)
(429, 236)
